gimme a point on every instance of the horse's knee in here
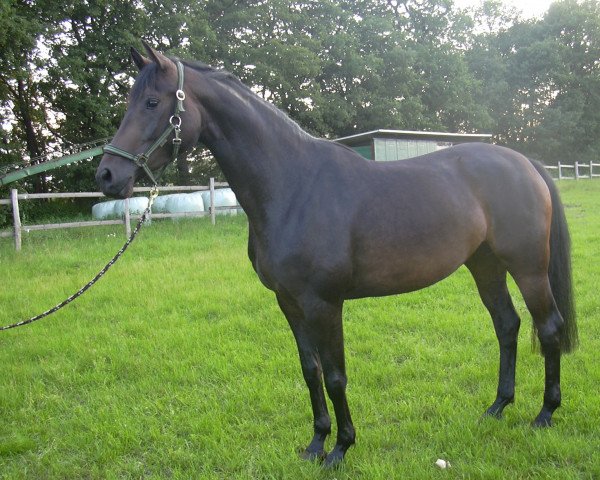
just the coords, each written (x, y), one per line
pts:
(335, 383)
(322, 425)
(312, 374)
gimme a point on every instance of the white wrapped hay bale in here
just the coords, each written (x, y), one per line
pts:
(185, 203)
(224, 197)
(116, 209)
(137, 205)
(160, 203)
(104, 210)
(172, 203)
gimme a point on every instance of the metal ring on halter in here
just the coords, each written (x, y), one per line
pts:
(175, 120)
(180, 94)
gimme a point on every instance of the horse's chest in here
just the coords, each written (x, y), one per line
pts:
(265, 269)
(262, 262)
(293, 263)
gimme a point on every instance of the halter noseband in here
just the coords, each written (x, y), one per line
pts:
(141, 159)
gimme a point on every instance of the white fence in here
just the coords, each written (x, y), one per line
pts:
(574, 172)
(19, 228)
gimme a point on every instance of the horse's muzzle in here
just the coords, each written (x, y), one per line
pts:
(112, 186)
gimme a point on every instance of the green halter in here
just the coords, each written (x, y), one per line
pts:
(141, 159)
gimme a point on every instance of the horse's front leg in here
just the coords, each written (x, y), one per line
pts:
(324, 319)
(312, 371)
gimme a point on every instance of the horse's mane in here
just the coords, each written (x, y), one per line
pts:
(217, 73)
(147, 76)
(228, 78)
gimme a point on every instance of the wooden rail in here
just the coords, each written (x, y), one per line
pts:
(19, 228)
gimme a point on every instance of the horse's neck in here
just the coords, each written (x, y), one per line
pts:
(261, 152)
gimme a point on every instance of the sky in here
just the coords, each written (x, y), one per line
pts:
(530, 8)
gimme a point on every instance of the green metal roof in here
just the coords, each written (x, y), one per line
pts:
(361, 138)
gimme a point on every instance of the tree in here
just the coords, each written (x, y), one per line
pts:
(540, 81)
(570, 127)
(23, 111)
(335, 66)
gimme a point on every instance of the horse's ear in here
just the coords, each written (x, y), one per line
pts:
(157, 57)
(139, 60)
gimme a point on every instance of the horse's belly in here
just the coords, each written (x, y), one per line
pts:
(401, 264)
(399, 276)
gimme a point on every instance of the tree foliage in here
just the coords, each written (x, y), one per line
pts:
(336, 66)
(540, 81)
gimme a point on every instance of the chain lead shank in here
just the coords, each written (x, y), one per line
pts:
(153, 195)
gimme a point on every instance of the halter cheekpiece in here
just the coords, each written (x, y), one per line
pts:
(141, 159)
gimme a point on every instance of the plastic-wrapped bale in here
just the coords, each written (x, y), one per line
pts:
(137, 205)
(160, 203)
(185, 202)
(224, 197)
(104, 210)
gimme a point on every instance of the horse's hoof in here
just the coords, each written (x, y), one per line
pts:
(542, 422)
(544, 419)
(496, 409)
(492, 413)
(334, 459)
(312, 455)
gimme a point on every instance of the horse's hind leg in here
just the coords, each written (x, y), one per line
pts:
(490, 277)
(312, 371)
(548, 321)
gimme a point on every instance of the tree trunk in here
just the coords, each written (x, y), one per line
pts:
(33, 145)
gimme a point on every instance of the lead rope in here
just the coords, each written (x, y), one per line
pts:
(82, 290)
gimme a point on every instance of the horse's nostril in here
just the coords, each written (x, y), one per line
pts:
(105, 175)
(103, 178)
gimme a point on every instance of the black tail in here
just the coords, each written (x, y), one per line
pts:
(559, 271)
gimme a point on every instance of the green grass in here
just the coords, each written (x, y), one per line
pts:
(178, 364)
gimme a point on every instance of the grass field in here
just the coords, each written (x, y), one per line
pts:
(178, 364)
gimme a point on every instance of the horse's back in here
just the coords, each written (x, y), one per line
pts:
(468, 179)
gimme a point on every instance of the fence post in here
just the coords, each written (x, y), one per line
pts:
(213, 214)
(16, 217)
(559, 172)
(576, 170)
(126, 218)
(591, 170)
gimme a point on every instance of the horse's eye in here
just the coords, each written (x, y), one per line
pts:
(152, 103)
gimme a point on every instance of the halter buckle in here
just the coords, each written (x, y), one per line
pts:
(175, 120)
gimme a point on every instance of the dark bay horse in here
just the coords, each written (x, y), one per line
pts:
(325, 225)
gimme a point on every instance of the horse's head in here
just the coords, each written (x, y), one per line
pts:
(158, 126)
